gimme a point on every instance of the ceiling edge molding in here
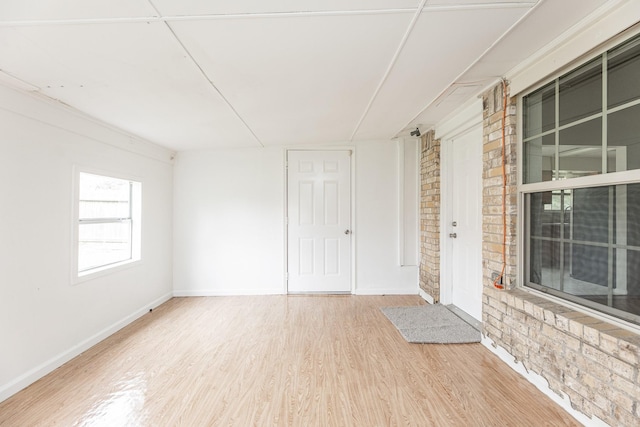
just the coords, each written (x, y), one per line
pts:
(603, 24)
(44, 109)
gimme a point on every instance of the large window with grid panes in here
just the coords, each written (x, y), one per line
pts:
(581, 183)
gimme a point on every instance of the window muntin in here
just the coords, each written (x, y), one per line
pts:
(107, 234)
(586, 119)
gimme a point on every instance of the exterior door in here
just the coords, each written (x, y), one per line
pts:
(319, 221)
(464, 230)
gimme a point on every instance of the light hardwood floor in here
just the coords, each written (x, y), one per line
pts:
(279, 361)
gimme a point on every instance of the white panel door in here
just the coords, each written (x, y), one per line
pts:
(319, 221)
(465, 227)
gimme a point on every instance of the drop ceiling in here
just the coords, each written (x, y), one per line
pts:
(196, 74)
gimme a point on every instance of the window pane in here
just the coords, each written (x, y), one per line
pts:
(580, 149)
(590, 214)
(103, 244)
(104, 197)
(623, 71)
(625, 295)
(630, 300)
(539, 159)
(540, 111)
(588, 264)
(623, 138)
(584, 245)
(581, 92)
(545, 263)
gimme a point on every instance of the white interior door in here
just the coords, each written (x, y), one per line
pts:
(319, 221)
(464, 227)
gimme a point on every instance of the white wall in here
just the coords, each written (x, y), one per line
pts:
(44, 320)
(229, 222)
(376, 231)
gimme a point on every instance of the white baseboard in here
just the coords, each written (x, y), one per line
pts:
(390, 291)
(226, 292)
(425, 296)
(43, 369)
(541, 384)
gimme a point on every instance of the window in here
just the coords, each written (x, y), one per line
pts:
(108, 222)
(581, 184)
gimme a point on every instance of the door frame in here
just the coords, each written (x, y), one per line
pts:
(285, 222)
(465, 121)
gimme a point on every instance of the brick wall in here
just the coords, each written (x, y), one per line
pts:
(430, 216)
(492, 219)
(594, 363)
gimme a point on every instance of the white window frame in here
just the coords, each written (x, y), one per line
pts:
(136, 227)
(603, 179)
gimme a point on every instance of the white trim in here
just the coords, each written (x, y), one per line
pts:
(226, 292)
(446, 250)
(599, 27)
(541, 384)
(55, 362)
(54, 113)
(468, 116)
(413, 290)
(400, 189)
(613, 178)
(425, 296)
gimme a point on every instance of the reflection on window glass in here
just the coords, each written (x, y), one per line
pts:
(581, 92)
(623, 139)
(623, 68)
(540, 154)
(581, 148)
(584, 244)
(540, 111)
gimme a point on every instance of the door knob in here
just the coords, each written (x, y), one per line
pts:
(347, 231)
(453, 235)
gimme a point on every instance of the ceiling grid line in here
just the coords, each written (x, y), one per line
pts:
(202, 17)
(458, 78)
(394, 59)
(196, 74)
(204, 74)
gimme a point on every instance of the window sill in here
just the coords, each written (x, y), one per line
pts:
(104, 271)
(533, 296)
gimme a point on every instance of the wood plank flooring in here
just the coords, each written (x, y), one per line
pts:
(279, 361)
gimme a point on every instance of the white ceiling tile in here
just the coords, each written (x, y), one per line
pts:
(442, 45)
(29, 10)
(527, 38)
(207, 7)
(134, 76)
(519, 44)
(296, 71)
(297, 79)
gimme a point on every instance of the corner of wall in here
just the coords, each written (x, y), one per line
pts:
(430, 217)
